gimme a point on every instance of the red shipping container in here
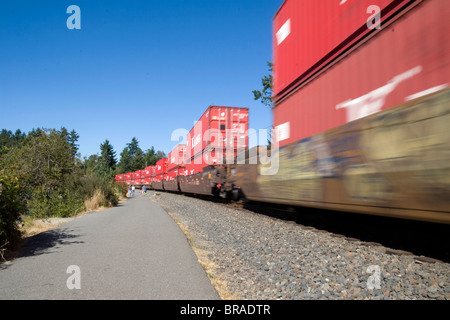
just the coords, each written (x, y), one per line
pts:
(129, 178)
(138, 174)
(176, 157)
(408, 58)
(222, 130)
(193, 168)
(174, 173)
(149, 172)
(309, 34)
(161, 168)
(160, 174)
(139, 177)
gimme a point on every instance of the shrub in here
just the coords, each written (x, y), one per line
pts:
(54, 203)
(93, 189)
(122, 188)
(11, 207)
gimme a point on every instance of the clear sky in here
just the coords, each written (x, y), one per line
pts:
(135, 68)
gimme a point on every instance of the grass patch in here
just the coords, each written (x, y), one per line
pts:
(97, 201)
(32, 226)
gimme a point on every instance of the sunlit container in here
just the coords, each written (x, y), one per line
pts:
(149, 174)
(139, 177)
(161, 167)
(407, 58)
(160, 174)
(120, 178)
(175, 167)
(176, 157)
(129, 178)
(138, 174)
(309, 34)
(220, 132)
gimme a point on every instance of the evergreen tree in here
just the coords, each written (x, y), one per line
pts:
(71, 139)
(132, 157)
(108, 155)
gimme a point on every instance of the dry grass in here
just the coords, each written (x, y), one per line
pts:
(32, 226)
(209, 266)
(97, 201)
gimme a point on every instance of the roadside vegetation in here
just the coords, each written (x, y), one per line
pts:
(42, 176)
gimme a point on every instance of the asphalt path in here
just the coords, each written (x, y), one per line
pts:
(133, 251)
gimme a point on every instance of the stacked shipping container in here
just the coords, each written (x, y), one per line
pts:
(139, 177)
(160, 174)
(373, 76)
(308, 34)
(129, 178)
(175, 167)
(120, 178)
(149, 174)
(218, 135)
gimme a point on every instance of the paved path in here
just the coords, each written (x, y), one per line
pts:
(133, 251)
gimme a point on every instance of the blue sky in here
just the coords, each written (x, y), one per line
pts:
(135, 68)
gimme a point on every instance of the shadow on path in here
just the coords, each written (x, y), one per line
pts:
(43, 243)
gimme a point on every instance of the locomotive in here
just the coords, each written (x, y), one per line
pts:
(361, 113)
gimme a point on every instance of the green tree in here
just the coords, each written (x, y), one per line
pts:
(266, 94)
(151, 156)
(43, 163)
(9, 140)
(90, 162)
(108, 155)
(44, 159)
(159, 155)
(132, 157)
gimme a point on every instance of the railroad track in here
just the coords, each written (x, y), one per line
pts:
(428, 242)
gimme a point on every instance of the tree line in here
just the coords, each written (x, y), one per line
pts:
(132, 158)
(42, 175)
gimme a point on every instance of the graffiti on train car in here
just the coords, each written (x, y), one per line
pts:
(412, 141)
(297, 176)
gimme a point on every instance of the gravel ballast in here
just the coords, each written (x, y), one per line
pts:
(261, 258)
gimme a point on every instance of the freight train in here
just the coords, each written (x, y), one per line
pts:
(361, 116)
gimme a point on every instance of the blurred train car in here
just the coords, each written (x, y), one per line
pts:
(361, 114)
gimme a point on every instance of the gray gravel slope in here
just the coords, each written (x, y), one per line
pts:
(264, 258)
